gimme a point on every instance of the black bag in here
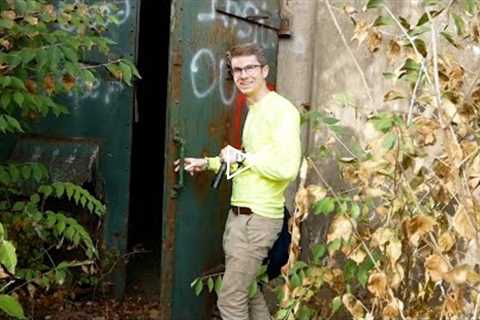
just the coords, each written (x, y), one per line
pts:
(278, 254)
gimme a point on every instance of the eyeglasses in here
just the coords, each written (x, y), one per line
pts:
(249, 70)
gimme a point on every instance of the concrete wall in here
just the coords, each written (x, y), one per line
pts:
(295, 62)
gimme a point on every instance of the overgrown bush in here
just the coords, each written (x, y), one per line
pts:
(43, 46)
(403, 241)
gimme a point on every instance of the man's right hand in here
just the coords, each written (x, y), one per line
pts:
(192, 165)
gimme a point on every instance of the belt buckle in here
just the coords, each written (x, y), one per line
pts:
(236, 210)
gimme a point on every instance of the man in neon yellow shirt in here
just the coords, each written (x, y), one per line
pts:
(271, 141)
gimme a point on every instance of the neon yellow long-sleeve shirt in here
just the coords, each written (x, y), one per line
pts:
(271, 140)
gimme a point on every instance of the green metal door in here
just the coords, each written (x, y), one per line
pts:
(104, 115)
(203, 107)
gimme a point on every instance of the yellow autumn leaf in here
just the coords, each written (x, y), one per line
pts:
(436, 267)
(394, 250)
(341, 228)
(316, 192)
(451, 110)
(382, 236)
(396, 277)
(457, 275)
(302, 202)
(358, 255)
(463, 224)
(446, 241)
(353, 306)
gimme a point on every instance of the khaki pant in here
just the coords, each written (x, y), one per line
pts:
(246, 242)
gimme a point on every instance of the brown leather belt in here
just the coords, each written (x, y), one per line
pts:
(241, 210)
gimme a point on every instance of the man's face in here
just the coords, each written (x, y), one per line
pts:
(249, 75)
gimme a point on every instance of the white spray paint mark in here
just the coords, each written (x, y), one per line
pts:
(112, 89)
(247, 32)
(196, 67)
(223, 72)
(96, 91)
(205, 63)
(122, 12)
(210, 16)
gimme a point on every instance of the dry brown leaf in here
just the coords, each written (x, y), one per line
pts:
(302, 202)
(361, 31)
(341, 228)
(374, 40)
(316, 192)
(391, 310)
(446, 241)
(382, 236)
(426, 128)
(418, 226)
(3, 274)
(452, 111)
(455, 75)
(394, 251)
(463, 224)
(442, 169)
(358, 255)
(453, 304)
(436, 267)
(474, 181)
(6, 44)
(334, 278)
(377, 284)
(31, 86)
(68, 81)
(353, 306)
(49, 9)
(49, 84)
(393, 51)
(396, 277)
(457, 275)
(473, 277)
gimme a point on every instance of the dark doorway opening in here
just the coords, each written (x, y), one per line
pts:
(148, 147)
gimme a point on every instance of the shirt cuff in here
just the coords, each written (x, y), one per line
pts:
(250, 159)
(213, 164)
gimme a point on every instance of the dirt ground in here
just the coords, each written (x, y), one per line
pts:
(59, 307)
